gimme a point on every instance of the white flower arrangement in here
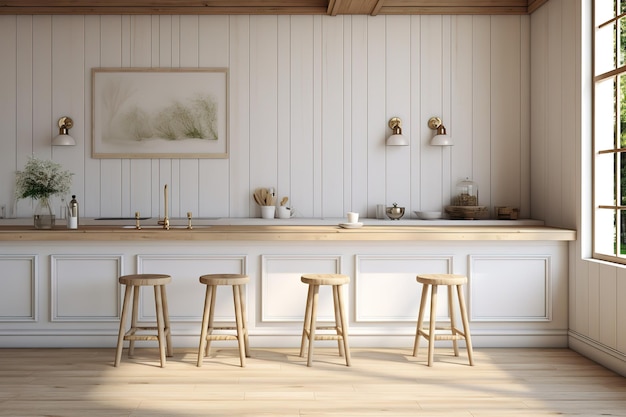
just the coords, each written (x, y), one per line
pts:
(41, 179)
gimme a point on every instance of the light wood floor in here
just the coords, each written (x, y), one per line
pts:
(276, 382)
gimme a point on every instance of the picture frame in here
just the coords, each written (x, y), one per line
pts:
(160, 113)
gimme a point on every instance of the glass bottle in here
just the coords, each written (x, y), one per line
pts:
(44, 215)
(467, 193)
(63, 210)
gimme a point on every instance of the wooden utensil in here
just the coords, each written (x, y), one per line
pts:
(284, 201)
(258, 196)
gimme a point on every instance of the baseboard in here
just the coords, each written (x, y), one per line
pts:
(280, 338)
(597, 352)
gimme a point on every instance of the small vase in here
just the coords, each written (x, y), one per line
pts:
(44, 215)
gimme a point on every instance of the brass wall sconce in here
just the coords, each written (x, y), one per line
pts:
(64, 138)
(441, 138)
(396, 138)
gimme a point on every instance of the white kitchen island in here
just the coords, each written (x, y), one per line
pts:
(59, 288)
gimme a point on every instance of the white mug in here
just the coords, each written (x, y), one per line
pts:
(353, 217)
(267, 212)
(285, 212)
(380, 211)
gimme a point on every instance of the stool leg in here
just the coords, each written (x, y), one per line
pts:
(166, 317)
(238, 321)
(120, 337)
(211, 317)
(453, 328)
(466, 329)
(240, 288)
(316, 290)
(338, 328)
(420, 319)
(133, 321)
(205, 325)
(160, 323)
(306, 327)
(433, 325)
(344, 324)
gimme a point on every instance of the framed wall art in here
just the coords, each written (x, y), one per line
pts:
(160, 112)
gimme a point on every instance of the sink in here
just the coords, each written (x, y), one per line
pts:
(121, 218)
(152, 226)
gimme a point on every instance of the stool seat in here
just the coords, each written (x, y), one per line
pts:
(145, 279)
(163, 333)
(310, 316)
(212, 281)
(224, 279)
(442, 279)
(431, 282)
(325, 279)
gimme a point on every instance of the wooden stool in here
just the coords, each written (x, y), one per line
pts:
(449, 280)
(237, 281)
(163, 336)
(310, 315)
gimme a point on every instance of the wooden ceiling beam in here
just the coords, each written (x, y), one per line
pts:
(85, 10)
(535, 4)
(333, 7)
(406, 10)
(376, 10)
(269, 7)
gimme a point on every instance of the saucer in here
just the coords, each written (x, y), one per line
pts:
(351, 225)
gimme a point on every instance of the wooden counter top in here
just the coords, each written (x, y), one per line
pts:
(290, 233)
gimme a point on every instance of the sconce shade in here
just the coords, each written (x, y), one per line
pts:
(63, 138)
(396, 138)
(441, 138)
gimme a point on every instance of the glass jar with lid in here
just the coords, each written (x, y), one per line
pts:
(467, 193)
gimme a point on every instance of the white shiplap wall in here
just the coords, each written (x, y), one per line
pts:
(561, 174)
(310, 98)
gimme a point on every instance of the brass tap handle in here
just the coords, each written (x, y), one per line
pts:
(189, 221)
(165, 223)
(137, 222)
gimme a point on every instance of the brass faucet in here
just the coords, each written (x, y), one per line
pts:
(189, 226)
(137, 222)
(166, 220)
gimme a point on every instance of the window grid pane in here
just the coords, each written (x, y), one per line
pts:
(605, 227)
(621, 110)
(605, 49)
(605, 114)
(604, 185)
(610, 131)
(621, 41)
(605, 10)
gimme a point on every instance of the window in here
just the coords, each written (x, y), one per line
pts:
(609, 107)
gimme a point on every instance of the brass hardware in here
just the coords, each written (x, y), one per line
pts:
(189, 227)
(64, 138)
(137, 221)
(396, 138)
(396, 125)
(65, 123)
(166, 220)
(441, 138)
(434, 123)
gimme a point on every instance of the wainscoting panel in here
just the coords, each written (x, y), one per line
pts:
(283, 295)
(18, 288)
(185, 294)
(386, 288)
(85, 287)
(510, 288)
